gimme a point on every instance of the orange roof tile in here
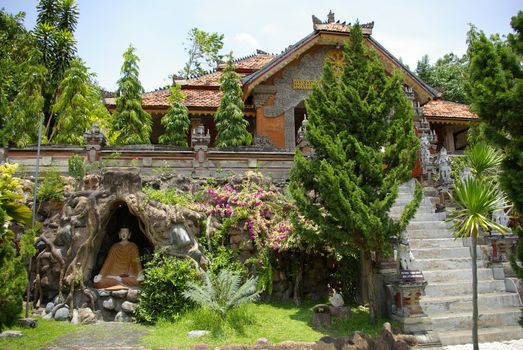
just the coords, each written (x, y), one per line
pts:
(255, 62)
(447, 109)
(196, 96)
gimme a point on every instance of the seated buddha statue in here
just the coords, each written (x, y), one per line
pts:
(121, 267)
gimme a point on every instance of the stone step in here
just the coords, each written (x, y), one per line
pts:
(429, 216)
(456, 275)
(426, 265)
(441, 253)
(428, 225)
(456, 304)
(460, 288)
(485, 335)
(429, 233)
(422, 243)
(423, 208)
(488, 318)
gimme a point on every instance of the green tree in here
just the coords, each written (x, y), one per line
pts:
(476, 199)
(78, 105)
(131, 122)
(203, 51)
(496, 90)
(176, 121)
(54, 34)
(23, 78)
(231, 126)
(447, 75)
(12, 273)
(360, 128)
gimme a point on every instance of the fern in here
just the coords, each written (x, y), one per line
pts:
(223, 292)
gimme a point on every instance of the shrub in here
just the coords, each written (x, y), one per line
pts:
(76, 167)
(52, 187)
(222, 293)
(161, 295)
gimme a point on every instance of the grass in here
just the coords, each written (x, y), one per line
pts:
(277, 321)
(35, 338)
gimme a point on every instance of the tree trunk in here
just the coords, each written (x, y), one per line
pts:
(474, 293)
(367, 285)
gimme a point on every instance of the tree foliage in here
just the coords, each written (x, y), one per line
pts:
(23, 78)
(78, 106)
(496, 90)
(447, 75)
(12, 274)
(231, 126)
(176, 121)
(132, 124)
(360, 128)
(54, 34)
(203, 51)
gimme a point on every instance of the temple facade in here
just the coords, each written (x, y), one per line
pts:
(275, 87)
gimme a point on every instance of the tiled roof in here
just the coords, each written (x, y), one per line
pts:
(254, 62)
(447, 109)
(202, 97)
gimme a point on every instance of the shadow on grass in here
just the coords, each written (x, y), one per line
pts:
(358, 321)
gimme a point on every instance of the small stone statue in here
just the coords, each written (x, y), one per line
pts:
(336, 299)
(122, 266)
(444, 166)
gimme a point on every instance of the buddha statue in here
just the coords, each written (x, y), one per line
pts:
(121, 268)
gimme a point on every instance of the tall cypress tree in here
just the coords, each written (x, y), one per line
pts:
(176, 121)
(231, 127)
(496, 90)
(360, 127)
(131, 122)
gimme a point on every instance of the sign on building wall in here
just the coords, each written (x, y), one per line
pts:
(300, 84)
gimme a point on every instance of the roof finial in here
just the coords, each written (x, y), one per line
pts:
(330, 17)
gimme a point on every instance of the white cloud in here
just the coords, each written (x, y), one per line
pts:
(246, 40)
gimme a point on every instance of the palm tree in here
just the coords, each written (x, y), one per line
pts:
(476, 198)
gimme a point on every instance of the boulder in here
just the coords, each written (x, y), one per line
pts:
(122, 316)
(108, 304)
(197, 333)
(10, 334)
(132, 295)
(120, 293)
(86, 315)
(49, 307)
(62, 314)
(129, 307)
(75, 319)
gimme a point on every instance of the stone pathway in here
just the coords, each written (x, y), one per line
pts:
(103, 335)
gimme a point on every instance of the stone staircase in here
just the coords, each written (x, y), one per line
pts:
(447, 266)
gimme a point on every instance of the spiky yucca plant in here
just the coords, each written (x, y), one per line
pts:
(222, 293)
(476, 199)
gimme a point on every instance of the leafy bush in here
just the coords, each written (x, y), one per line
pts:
(161, 295)
(222, 293)
(170, 196)
(76, 166)
(52, 187)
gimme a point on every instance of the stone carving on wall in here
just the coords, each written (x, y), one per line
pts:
(71, 239)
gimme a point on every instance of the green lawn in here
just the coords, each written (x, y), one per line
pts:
(35, 338)
(275, 321)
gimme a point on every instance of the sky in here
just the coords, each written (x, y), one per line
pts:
(158, 28)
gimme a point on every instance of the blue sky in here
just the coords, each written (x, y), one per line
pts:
(157, 28)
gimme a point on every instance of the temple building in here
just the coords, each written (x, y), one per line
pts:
(275, 87)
